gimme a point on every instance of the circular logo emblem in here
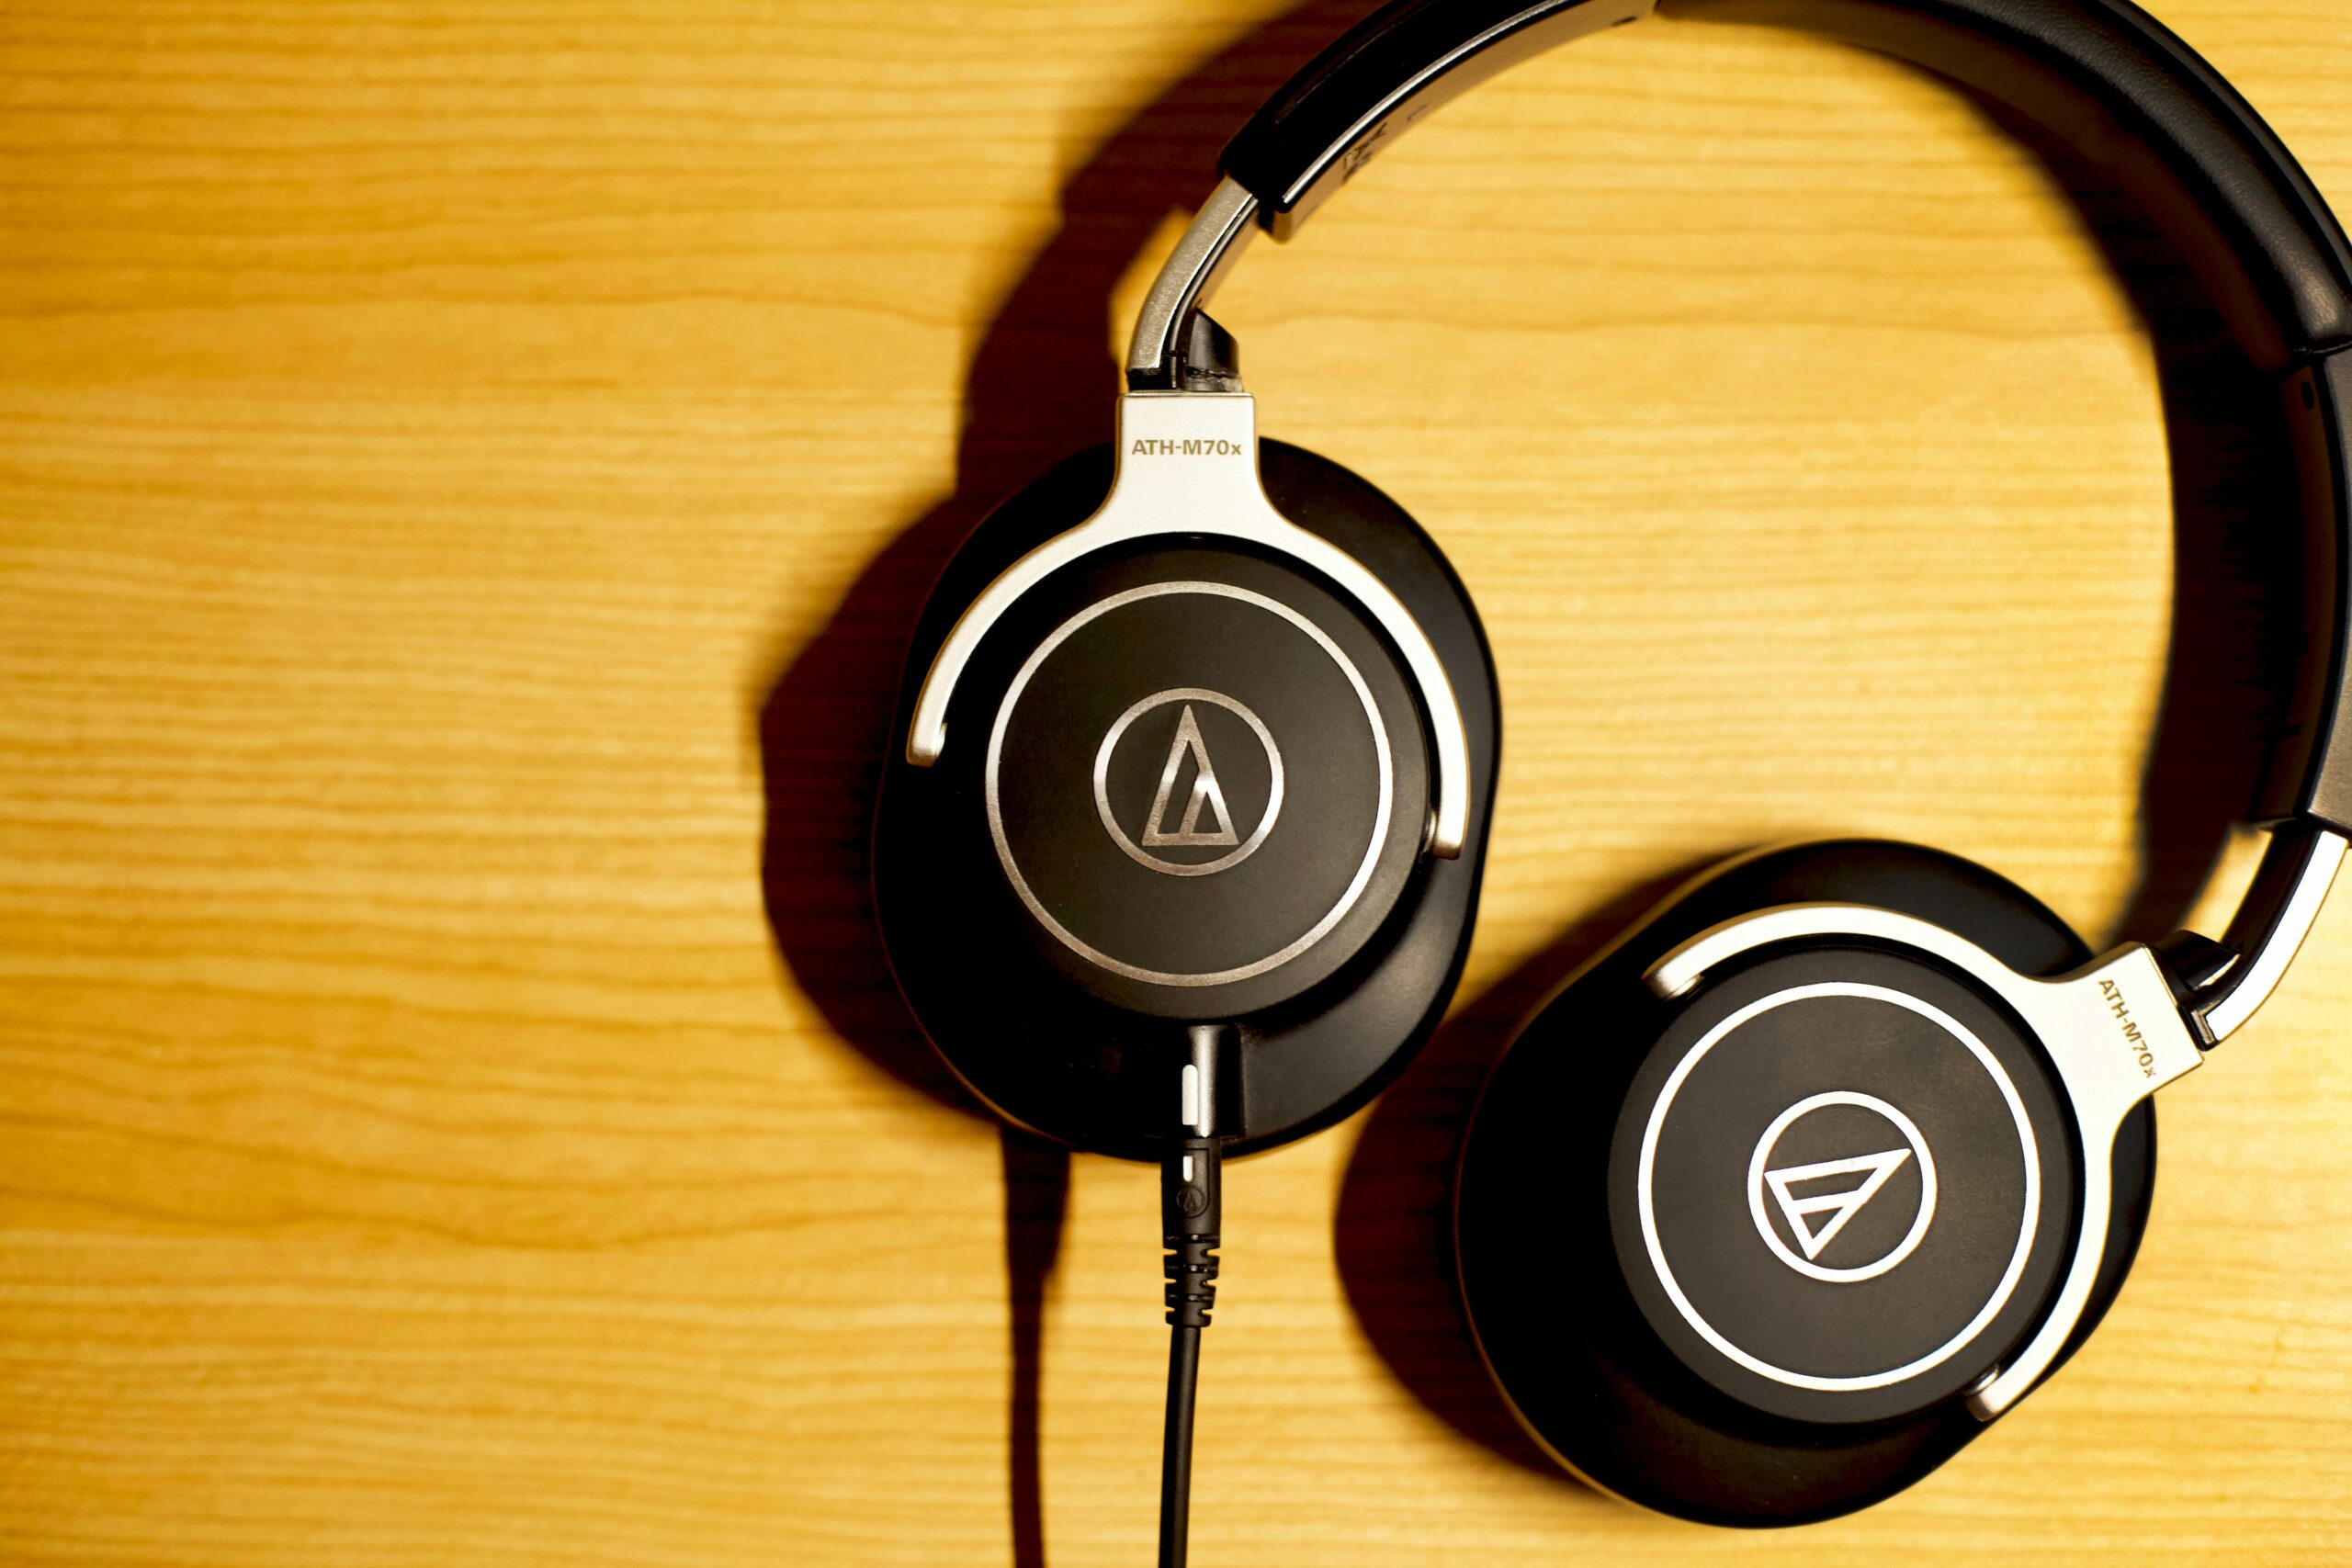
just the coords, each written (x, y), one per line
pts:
(1187, 811)
(1144, 813)
(1816, 1200)
(1833, 1187)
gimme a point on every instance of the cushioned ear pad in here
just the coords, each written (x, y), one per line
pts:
(998, 932)
(1541, 1281)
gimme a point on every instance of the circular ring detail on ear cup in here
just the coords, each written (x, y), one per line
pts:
(1199, 778)
(1834, 1184)
(1562, 1300)
(1204, 778)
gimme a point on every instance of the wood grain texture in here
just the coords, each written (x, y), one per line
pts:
(465, 473)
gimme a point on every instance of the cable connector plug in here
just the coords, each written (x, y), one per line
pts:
(1192, 1212)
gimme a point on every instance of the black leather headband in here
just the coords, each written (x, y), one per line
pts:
(2103, 76)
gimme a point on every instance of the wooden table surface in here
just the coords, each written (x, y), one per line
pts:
(466, 472)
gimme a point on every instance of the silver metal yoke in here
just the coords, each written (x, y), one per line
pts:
(1188, 279)
(2279, 909)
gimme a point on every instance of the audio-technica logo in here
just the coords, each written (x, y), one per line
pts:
(1818, 1200)
(1188, 807)
(1207, 447)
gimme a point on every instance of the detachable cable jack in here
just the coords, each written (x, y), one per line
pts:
(1190, 1214)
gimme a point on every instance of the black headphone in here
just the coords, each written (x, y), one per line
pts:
(1824, 1165)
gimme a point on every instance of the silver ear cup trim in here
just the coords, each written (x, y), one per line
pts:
(1188, 465)
(2112, 1031)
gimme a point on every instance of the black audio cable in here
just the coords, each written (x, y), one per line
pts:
(1190, 1214)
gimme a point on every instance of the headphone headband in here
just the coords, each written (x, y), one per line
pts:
(2105, 78)
(2102, 76)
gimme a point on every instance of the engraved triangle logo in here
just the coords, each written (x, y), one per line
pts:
(1817, 1218)
(1205, 793)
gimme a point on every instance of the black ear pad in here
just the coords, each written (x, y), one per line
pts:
(1187, 781)
(1739, 1256)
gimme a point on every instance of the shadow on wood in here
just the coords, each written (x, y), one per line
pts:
(1040, 388)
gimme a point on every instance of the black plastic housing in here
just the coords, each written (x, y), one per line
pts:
(1547, 1303)
(1061, 1057)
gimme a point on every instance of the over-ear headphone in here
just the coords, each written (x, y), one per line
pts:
(1833, 1156)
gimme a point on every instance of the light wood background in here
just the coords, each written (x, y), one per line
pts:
(465, 472)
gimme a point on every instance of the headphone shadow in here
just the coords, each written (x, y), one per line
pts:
(2233, 634)
(1037, 391)
(1040, 390)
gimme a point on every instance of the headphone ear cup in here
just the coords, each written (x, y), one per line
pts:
(1146, 765)
(1547, 1286)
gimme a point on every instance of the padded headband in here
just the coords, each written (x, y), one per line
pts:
(2103, 76)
